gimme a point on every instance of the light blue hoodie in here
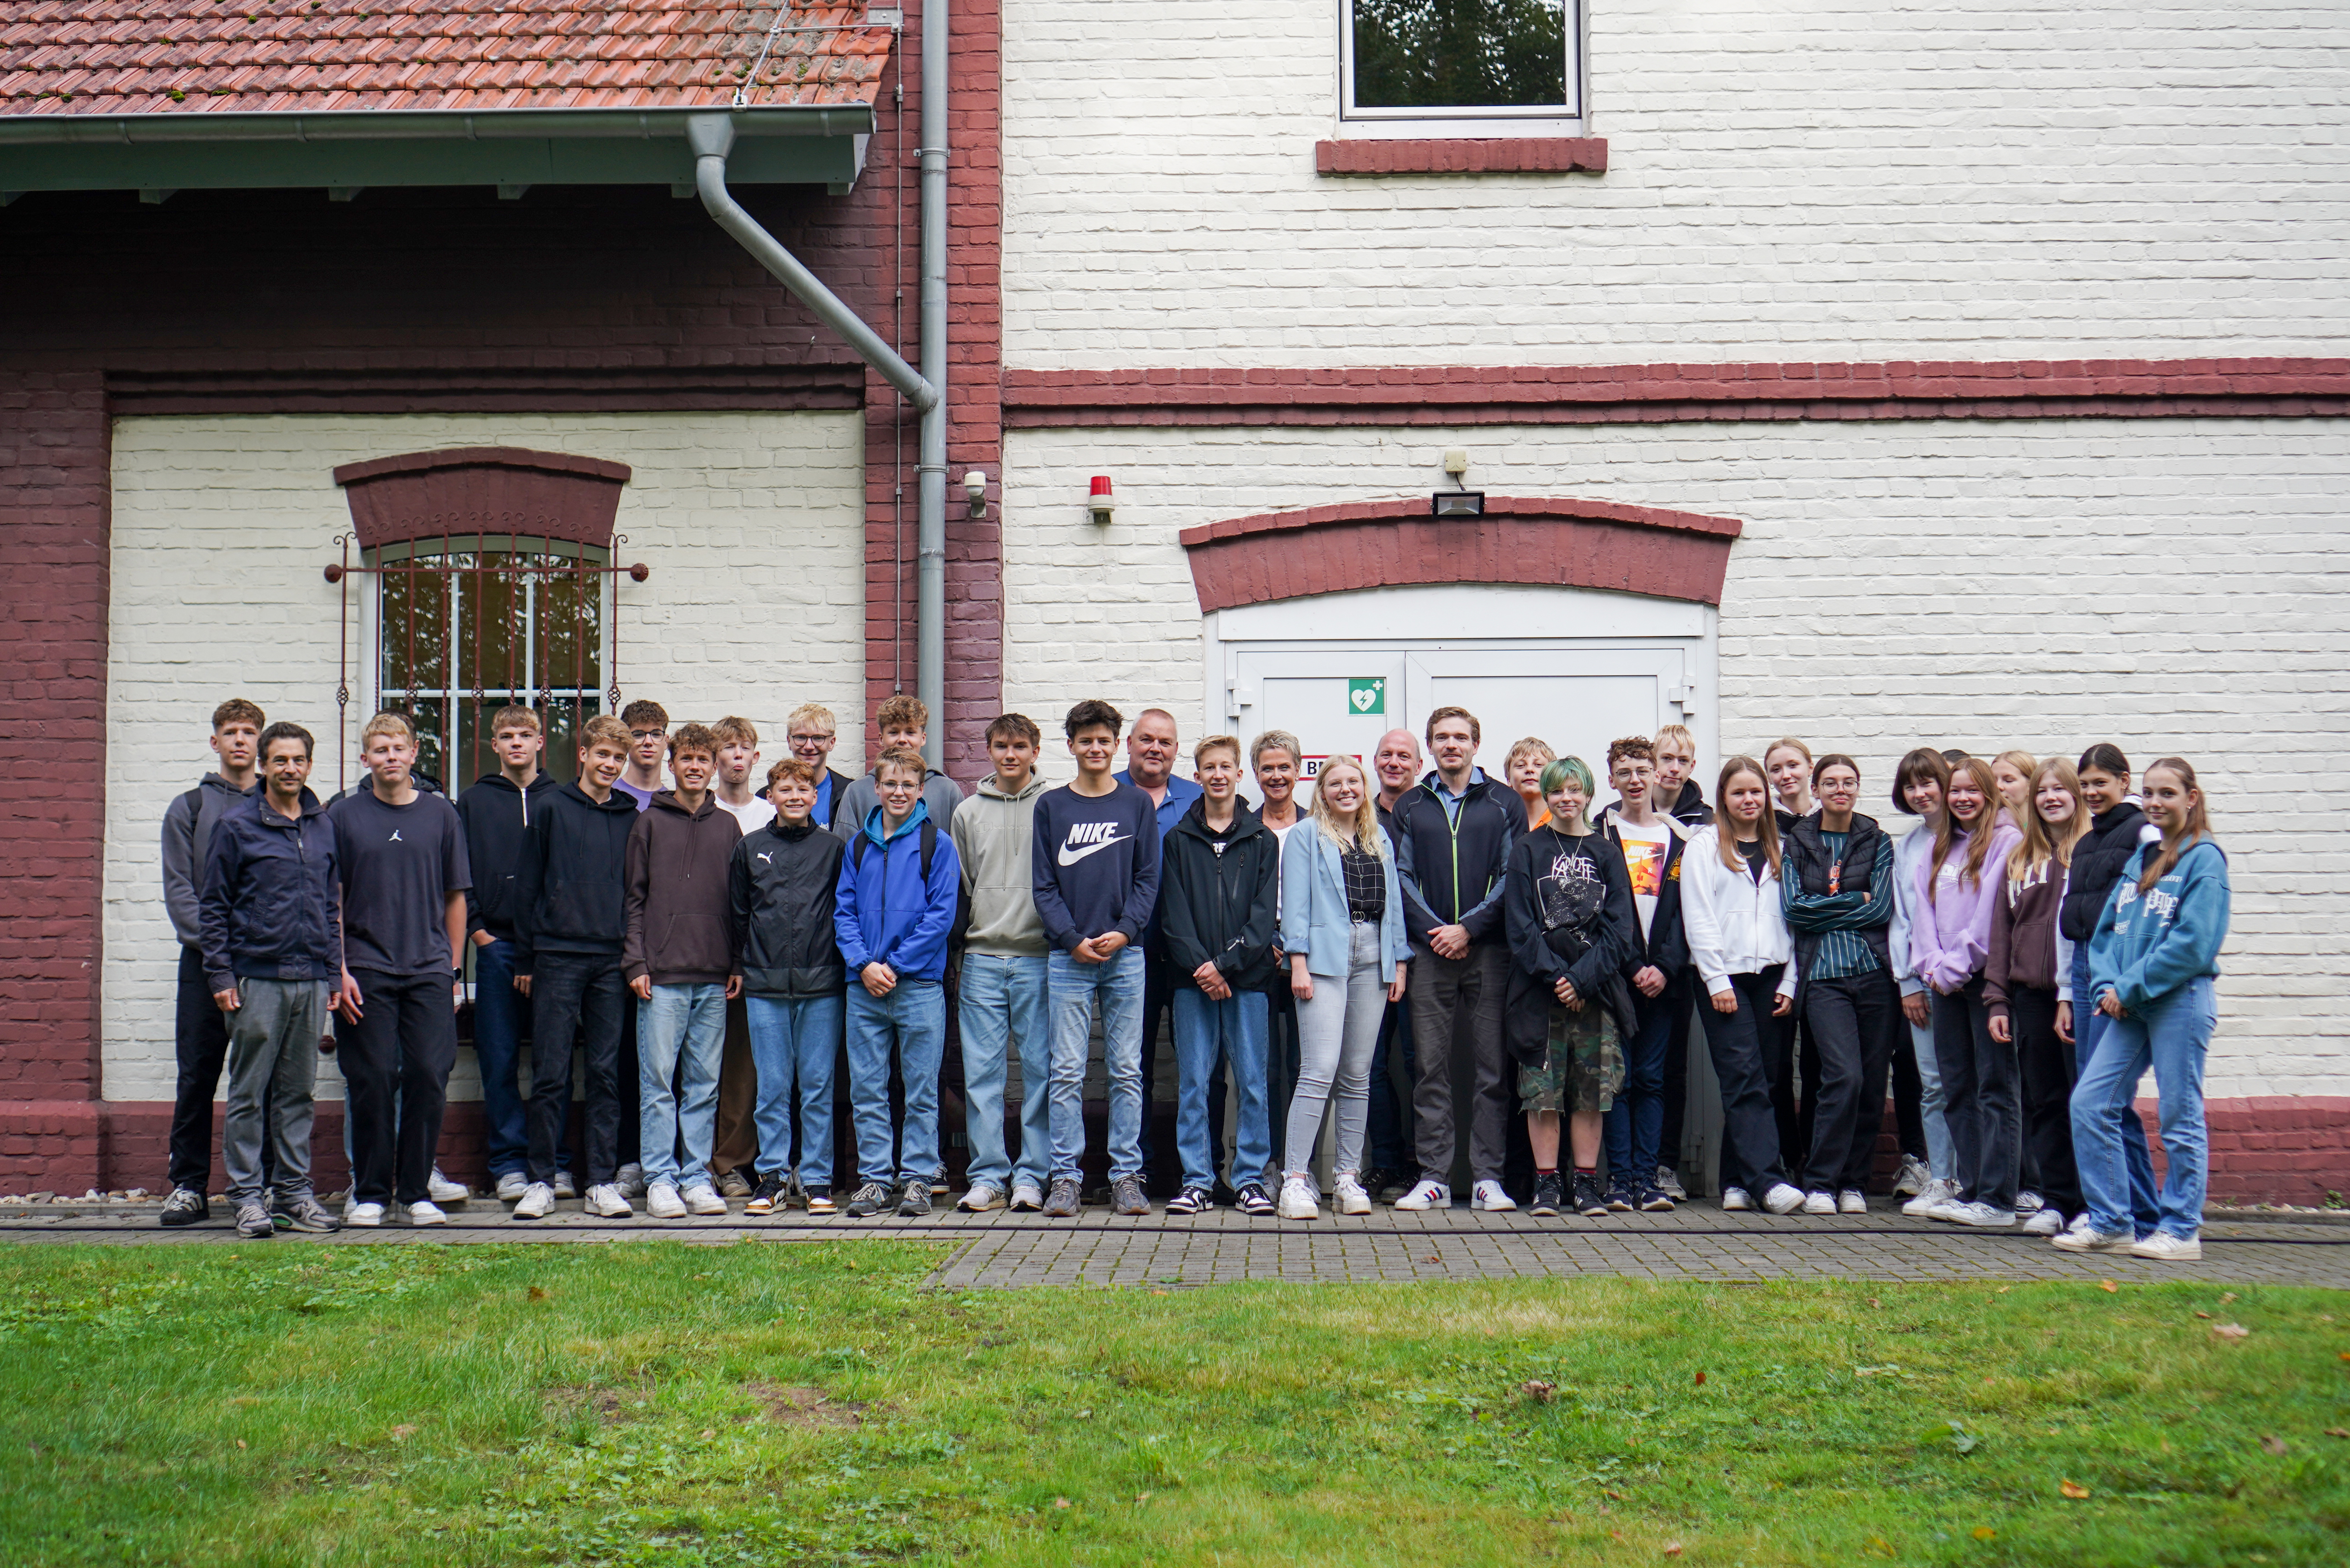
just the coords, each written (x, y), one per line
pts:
(2146, 946)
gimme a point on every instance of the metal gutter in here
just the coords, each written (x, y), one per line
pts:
(930, 493)
(423, 125)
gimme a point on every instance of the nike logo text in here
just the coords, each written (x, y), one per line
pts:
(1088, 837)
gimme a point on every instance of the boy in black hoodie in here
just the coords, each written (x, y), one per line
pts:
(496, 815)
(1216, 918)
(1651, 842)
(569, 928)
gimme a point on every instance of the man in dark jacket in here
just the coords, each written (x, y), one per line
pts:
(570, 922)
(1453, 832)
(496, 815)
(271, 918)
(1651, 842)
(679, 957)
(199, 1034)
(781, 887)
(1215, 913)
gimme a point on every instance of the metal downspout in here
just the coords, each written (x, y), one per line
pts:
(931, 497)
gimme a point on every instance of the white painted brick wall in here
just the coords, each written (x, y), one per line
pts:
(2172, 585)
(1847, 181)
(753, 524)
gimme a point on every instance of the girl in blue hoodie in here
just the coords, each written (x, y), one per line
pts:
(2152, 959)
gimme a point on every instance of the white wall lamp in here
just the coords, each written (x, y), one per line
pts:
(1101, 506)
(974, 484)
(1461, 502)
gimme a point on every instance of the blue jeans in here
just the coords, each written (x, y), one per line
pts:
(913, 1019)
(793, 1040)
(1235, 1029)
(498, 1014)
(1940, 1159)
(2171, 1034)
(2089, 1027)
(1003, 1011)
(682, 1026)
(1635, 1124)
(1071, 989)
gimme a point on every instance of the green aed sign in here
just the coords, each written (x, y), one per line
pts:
(1366, 697)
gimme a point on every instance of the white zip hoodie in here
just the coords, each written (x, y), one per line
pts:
(1735, 925)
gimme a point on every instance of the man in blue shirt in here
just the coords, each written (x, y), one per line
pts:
(1151, 749)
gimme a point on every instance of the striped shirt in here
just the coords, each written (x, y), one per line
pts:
(1838, 919)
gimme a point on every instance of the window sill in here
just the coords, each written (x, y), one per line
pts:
(1464, 155)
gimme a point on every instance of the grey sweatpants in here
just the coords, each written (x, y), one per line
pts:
(273, 1050)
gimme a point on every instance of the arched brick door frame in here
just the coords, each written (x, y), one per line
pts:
(1540, 541)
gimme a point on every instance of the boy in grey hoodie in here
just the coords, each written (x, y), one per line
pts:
(1003, 999)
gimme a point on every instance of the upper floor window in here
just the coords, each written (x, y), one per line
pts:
(1462, 60)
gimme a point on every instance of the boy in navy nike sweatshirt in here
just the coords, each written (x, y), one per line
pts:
(1095, 864)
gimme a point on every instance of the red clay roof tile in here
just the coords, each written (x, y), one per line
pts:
(187, 56)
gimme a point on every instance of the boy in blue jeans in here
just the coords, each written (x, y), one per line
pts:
(893, 908)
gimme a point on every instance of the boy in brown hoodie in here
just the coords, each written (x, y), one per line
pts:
(677, 957)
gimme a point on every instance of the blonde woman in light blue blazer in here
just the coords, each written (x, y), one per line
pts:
(1342, 925)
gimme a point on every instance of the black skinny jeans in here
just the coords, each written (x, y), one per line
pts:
(1740, 1043)
(407, 1037)
(1850, 1023)
(2048, 1069)
(578, 994)
(1978, 1097)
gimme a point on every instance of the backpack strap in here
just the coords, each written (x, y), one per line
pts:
(929, 846)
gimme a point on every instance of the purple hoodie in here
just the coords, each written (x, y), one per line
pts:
(1950, 937)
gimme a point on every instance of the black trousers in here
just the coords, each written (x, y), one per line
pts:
(1158, 999)
(1740, 1044)
(1978, 1097)
(2049, 1068)
(404, 1043)
(1851, 1024)
(1909, 1097)
(581, 997)
(1681, 992)
(1795, 1088)
(199, 1040)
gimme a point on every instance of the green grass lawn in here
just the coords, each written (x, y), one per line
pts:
(663, 1403)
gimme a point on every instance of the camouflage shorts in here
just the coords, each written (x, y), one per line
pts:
(1583, 1070)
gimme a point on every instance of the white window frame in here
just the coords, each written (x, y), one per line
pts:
(1489, 120)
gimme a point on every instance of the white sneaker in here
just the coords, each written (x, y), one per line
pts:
(630, 1180)
(514, 1185)
(1027, 1197)
(1426, 1195)
(1670, 1184)
(1936, 1192)
(1298, 1199)
(538, 1201)
(704, 1198)
(2029, 1203)
(2047, 1222)
(2165, 1248)
(563, 1184)
(1912, 1179)
(1852, 1200)
(426, 1213)
(2084, 1237)
(1819, 1203)
(362, 1214)
(982, 1198)
(663, 1202)
(1982, 1216)
(1784, 1198)
(1351, 1198)
(1734, 1200)
(1488, 1196)
(604, 1201)
(440, 1189)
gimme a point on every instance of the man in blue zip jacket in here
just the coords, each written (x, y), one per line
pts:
(893, 909)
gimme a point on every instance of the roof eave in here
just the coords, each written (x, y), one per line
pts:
(421, 124)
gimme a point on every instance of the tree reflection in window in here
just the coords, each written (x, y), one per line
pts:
(1460, 54)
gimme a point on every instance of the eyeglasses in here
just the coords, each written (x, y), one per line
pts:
(811, 740)
(649, 734)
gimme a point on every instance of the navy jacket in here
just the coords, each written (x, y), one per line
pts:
(272, 903)
(1453, 866)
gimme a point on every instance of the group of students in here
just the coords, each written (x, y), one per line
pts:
(764, 937)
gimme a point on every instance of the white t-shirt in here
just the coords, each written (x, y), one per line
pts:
(752, 817)
(1281, 838)
(1645, 849)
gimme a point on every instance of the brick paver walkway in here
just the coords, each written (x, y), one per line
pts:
(1697, 1241)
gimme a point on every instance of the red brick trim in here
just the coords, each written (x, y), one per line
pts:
(483, 490)
(1393, 544)
(789, 388)
(1464, 155)
(1614, 394)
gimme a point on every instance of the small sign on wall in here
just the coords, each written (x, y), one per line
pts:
(1367, 696)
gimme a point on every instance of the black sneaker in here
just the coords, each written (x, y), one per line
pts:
(1191, 1200)
(1654, 1202)
(1549, 1195)
(1250, 1199)
(870, 1200)
(1588, 1199)
(914, 1200)
(768, 1195)
(1620, 1199)
(186, 1206)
